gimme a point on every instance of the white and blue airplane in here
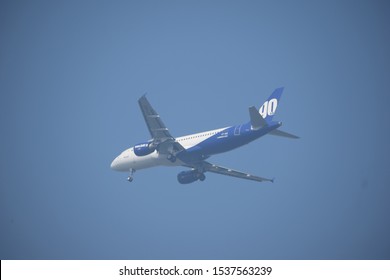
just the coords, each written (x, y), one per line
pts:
(191, 151)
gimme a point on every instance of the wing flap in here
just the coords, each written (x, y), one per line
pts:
(231, 172)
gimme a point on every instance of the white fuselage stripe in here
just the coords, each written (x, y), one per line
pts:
(128, 159)
(189, 141)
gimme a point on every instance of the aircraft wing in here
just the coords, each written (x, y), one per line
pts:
(230, 172)
(159, 132)
(156, 127)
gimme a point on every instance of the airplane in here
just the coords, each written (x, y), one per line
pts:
(193, 150)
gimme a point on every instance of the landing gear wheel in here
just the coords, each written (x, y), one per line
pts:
(130, 179)
(202, 177)
(171, 158)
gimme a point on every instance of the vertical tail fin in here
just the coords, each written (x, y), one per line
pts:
(268, 109)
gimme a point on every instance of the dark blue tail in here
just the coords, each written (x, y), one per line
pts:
(268, 109)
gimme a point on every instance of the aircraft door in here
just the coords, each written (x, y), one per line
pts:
(237, 130)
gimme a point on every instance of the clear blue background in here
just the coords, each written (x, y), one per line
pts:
(70, 76)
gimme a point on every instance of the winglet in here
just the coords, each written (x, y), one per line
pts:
(143, 96)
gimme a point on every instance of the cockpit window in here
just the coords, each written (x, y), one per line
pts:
(125, 154)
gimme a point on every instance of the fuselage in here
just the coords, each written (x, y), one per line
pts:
(197, 146)
(192, 151)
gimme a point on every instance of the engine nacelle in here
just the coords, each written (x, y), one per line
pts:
(187, 177)
(144, 149)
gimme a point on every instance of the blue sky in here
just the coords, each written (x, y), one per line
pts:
(70, 76)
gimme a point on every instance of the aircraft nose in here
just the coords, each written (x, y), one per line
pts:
(114, 164)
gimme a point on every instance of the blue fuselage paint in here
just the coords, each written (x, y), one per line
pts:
(224, 141)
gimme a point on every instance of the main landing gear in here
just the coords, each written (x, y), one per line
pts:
(130, 178)
(171, 158)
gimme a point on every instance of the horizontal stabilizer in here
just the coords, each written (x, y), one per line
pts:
(278, 132)
(257, 120)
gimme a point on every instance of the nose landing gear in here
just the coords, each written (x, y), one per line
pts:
(130, 178)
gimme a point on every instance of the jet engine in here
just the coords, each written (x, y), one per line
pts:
(144, 149)
(190, 176)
